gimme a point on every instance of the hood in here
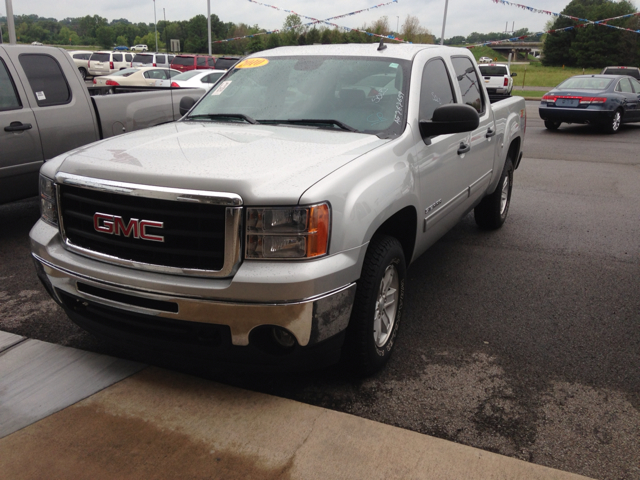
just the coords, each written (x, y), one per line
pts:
(264, 164)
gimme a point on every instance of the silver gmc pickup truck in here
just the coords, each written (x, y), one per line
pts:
(46, 110)
(274, 223)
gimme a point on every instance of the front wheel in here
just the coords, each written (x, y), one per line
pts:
(377, 308)
(550, 125)
(492, 211)
(613, 125)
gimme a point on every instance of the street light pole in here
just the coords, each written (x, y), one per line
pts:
(398, 25)
(209, 23)
(444, 21)
(155, 23)
(10, 25)
(166, 37)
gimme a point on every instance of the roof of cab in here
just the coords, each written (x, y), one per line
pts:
(402, 51)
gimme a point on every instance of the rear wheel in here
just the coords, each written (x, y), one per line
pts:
(492, 211)
(377, 308)
(83, 73)
(550, 125)
(614, 123)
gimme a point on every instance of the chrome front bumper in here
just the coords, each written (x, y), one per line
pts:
(310, 320)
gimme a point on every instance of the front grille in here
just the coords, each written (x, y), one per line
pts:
(194, 233)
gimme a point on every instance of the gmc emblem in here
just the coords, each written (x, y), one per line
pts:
(114, 225)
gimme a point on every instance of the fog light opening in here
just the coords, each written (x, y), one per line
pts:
(283, 337)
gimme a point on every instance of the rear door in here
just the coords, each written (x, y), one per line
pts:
(118, 62)
(478, 163)
(99, 63)
(157, 78)
(636, 90)
(21, 151)
(65, 120)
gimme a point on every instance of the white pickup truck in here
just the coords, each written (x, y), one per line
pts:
(274, 223)
(498, 80)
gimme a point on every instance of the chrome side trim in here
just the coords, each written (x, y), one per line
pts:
(147, 191)
(232, 224)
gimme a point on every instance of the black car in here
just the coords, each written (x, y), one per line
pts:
(605, 100)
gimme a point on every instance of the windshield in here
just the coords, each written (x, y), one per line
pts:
(183, 61)
(364, 94)
(142, 58)
(124, 73)
(492, 71)
(587, 83)
(188, 75)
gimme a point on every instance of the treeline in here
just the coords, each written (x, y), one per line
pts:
(96, 30)
(477, 38)
(594, 46)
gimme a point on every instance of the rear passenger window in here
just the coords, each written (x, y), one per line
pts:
(624, 86)
(211, 62)
(211, 78)
(636, 85)
(436, 89)
(117, 57)
(159, 58)
(469, 83)
(8, 96)
(128, 57)
(201, 61)
(46, 79)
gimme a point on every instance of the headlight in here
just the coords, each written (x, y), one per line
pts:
(48, 201)
(288, 232)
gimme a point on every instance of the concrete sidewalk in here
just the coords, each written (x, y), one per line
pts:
(152, 423)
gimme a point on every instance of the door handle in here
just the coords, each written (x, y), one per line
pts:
(464, 148)
(490, 132)
(17, 127)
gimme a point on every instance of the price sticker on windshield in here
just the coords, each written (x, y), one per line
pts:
(221, 88)
(253, 63)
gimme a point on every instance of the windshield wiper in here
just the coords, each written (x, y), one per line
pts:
(313, 121)
(213, 116)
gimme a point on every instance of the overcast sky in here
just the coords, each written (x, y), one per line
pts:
(464, 16)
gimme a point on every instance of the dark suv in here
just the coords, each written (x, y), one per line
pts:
(631, 71)
(184, 63)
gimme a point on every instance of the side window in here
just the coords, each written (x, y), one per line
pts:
(636, 85)
(625, 86)
(436, 88)
(201, 61)
(172, 73)
(117, 57)
(211, 61)
(171, 57)
(45, 79)
(8, 96)
(159, 58)
(469, 83)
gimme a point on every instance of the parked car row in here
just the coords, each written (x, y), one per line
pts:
(106, 62)
(160, 77)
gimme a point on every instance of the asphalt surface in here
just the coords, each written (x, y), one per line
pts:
(524, 341)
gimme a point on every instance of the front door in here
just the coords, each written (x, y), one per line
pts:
(21, 152)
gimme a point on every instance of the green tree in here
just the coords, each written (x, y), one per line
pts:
(104, 36)
(325, 39)
(313, 36)
(256, 44)
(591, 46)
(121, 40)
(290, 29)
(273, 40)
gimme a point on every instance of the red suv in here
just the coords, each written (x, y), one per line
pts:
(184, 63)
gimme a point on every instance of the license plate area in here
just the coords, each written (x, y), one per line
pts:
(567, 102)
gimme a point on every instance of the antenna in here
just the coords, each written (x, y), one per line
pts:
(382, 46)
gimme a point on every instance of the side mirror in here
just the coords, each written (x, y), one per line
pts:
(514, 74)
(185, 104)
(453, 118)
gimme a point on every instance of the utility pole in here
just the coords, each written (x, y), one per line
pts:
(10, 25)
(209, 23)
(444, 21)
(166, 38)
(155, 23)
(398, 25)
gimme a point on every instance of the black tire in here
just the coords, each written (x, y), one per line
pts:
(551, 125)
(492, 211)
(614, 123)
(369, 344)
(83, 73)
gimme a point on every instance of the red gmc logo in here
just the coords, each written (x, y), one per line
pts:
(114, 225)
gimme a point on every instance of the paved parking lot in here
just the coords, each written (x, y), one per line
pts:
(523, 341)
